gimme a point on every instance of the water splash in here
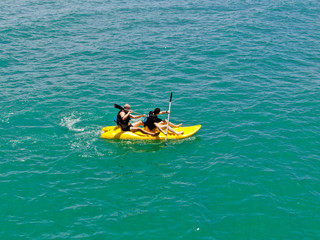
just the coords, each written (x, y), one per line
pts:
(70, 122)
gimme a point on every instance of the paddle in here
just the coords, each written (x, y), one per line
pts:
(165, 143)
(121, 108)
(118, 106)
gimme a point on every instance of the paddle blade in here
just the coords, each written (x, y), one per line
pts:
(171, 97)
(118, 106)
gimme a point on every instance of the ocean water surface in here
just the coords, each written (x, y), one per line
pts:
(247, 71)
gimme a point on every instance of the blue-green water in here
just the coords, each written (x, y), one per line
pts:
(248, 71)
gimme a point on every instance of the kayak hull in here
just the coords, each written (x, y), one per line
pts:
(115, 132)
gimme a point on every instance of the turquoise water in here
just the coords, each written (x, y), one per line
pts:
(248, 71)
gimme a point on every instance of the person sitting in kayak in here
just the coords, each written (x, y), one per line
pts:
(153, 122)
(123, 119)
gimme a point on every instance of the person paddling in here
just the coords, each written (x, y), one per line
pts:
(153, 122)
(123, 119)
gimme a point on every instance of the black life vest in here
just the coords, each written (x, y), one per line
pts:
(120, 121)
(151, 119)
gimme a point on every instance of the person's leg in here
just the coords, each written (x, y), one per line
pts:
(135, 129)
(170, 129)
(137, 124)
(174, 131)
(171, 124)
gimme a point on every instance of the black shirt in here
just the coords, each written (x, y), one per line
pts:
(152, 118)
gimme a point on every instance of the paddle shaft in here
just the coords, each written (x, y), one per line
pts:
(121, 108)
(135, 112)
(168, 120)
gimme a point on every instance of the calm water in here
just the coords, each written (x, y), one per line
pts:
(248, 71)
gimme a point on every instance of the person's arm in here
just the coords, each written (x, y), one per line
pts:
(164, 112)
(137, 116)
(159, 128)
(124, 116)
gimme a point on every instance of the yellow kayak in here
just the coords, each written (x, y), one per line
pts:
(115, 132)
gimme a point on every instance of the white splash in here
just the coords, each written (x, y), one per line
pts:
(70, 122)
